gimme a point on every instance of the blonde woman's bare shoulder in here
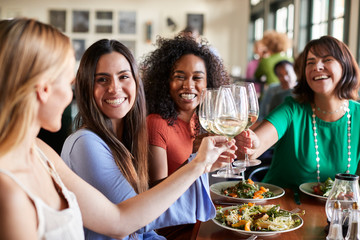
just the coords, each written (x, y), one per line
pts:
(47, 150)
(16, 209)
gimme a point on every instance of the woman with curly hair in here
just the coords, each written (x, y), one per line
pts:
(174, 75)
(276, 44)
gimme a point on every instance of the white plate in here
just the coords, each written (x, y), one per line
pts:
(307, 189)
(258, 233)
(217, 188)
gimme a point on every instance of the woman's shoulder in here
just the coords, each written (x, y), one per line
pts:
(291, 107)
(14, 198)
(292, 102)
(84, 135)
(355, 106)
(156, 120)
(83, 139)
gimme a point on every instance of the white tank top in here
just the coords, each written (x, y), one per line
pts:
(65, 224)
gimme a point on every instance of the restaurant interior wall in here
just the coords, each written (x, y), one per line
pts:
(225, 21)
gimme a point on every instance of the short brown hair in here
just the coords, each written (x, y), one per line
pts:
(348, 86)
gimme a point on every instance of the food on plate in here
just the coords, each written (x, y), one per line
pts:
(247, 189)
(323, 189)
(252, 217)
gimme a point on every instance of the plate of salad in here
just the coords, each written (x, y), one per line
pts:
(318, 190)
(245, 191)
(259, 220)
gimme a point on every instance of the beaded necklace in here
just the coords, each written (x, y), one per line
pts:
(346, 109)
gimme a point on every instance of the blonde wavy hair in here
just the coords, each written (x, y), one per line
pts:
(30, 52)
(276, 42)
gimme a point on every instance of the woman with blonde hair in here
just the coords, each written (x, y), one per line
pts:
(37, 190)
(276, 44)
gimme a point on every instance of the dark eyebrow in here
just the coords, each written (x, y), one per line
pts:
(310, 59)
(329, 55)
(107, 74)
(179, 71)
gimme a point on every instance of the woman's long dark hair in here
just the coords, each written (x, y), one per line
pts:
(131, 154)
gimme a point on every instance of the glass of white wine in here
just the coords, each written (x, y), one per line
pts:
(253, 110)
(231, 117)
(207, 109)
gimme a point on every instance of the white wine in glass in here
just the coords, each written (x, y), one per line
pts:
(231, 116)
(253, 114)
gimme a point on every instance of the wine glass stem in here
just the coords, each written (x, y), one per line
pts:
(229, 167)
(246, 155)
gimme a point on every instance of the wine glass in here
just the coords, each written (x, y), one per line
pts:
(253, 114)
(207, 109)
(231, 116)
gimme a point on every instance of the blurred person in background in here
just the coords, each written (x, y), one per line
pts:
(276, 44)
(277, 92)
(260, 51)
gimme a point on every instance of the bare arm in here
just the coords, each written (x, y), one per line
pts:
(257, 142)
(102, 216)
(158, 165)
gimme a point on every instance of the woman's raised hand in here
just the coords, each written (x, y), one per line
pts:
(247, 142)
(215, 152)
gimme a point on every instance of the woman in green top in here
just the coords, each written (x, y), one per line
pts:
(316, 134)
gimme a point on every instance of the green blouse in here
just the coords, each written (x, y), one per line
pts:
(294, 159)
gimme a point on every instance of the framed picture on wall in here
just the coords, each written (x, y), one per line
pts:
(103, 21)
(127, 22)
(130, 44)
(196, 21)
(57, 18)
(80, 21)
(79, 48)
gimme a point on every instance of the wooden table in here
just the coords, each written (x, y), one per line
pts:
(313, 227)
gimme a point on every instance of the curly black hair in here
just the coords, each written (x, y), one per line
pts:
(157, 67)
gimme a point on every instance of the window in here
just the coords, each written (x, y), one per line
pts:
(328, 18)
(284, 20)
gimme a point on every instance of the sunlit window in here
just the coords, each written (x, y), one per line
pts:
(328, 18)
(281, 20)
(338, 19)
(285, 22)
(254, 2)
(259, 28)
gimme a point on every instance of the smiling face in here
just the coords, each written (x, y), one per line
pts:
(114, 87)
(322, 73)
(286, 74)
(187, 81)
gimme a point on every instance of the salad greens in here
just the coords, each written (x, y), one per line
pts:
(247, 189)
(251, 217)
